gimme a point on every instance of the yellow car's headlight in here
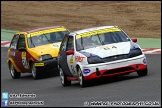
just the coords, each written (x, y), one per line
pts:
(44, 57)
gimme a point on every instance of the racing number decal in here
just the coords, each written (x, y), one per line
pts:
(24, 62)
(12, 54)
(108, 47)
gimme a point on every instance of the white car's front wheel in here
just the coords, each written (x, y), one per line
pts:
(63, 79)
(82, 82)
(142, 72)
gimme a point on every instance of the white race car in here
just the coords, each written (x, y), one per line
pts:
(97, 52)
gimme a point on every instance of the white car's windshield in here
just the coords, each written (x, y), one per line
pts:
(95, 40)
(46, 38)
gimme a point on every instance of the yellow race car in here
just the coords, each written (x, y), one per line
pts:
(35, 51)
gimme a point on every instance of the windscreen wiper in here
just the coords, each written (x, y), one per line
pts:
(31, 40)
(100, 40)
(82, 43)
(47, 38)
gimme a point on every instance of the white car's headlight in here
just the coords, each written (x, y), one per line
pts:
(44, 57)
(94, 60)
(134, 52)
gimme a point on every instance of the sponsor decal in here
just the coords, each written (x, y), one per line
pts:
(94, 32)
(39, 64)
(86, 71)
(46, 31)
(144, 60)
(79, 58)
(71, 61)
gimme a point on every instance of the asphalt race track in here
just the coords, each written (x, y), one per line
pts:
(128, 88)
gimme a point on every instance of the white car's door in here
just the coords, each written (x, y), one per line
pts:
(70, 56)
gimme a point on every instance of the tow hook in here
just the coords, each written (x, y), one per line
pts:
(97, 72)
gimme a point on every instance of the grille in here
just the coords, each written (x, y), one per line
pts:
(116, 57)
(124, 69)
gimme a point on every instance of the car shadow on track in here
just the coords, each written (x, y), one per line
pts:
(49, 74)
(107, 80)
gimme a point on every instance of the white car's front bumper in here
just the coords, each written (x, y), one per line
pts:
(117, 67)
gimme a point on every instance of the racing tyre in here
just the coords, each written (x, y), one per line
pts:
(82, 82)
(13, 72)
(35, 73)
(142, 72)
(63, 79)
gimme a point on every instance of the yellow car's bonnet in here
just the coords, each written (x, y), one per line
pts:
(51, 49)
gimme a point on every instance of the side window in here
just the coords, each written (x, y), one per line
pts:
(21, 42)
(14, 42)
(70, 44)
(63, 44)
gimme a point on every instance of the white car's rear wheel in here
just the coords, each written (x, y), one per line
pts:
(13, 72)
(63, 79)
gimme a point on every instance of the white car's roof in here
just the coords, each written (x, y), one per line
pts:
(90, 29)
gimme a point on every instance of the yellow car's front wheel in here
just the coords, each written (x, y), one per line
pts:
(35, 73)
